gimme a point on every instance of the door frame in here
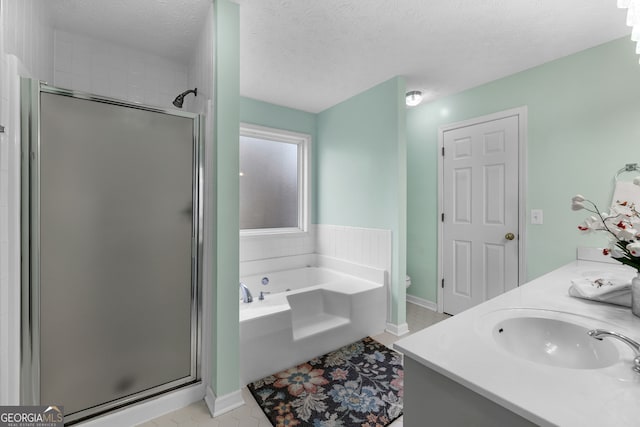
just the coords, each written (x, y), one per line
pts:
(521, 113)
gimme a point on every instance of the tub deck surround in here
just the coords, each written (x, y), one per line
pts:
(310, 311)
(463, 350)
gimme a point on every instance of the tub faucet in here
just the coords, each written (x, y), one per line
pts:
(246, 294)
(599, 334)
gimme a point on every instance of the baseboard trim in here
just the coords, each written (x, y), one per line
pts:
(210, 399)
(223, 404)
(397, 330)
(422, 302)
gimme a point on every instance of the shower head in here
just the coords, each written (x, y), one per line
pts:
(180, 98)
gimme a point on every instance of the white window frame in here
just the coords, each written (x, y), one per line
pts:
(303, 141)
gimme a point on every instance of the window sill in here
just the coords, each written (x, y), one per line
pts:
(273, 232)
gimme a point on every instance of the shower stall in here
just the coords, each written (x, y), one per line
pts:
(111, 250)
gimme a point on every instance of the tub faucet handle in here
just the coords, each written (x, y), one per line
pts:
(262, 293)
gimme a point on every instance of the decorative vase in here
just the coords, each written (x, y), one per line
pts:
(635, 295)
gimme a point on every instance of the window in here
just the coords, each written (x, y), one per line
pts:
(273, 181)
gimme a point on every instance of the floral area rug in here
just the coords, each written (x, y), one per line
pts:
(360, 384)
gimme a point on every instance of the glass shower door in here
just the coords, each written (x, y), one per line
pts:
(117, 228)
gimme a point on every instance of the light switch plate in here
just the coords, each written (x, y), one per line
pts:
(536, 216)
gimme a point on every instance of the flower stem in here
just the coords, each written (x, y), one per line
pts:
(604, 223)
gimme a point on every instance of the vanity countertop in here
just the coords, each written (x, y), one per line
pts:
(462, 349)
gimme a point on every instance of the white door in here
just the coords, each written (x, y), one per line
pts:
(480, 221)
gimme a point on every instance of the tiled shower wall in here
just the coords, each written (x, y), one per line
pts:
(26, 46)
(103, 68)
(28, 34)
(9, 239)
(6, 383)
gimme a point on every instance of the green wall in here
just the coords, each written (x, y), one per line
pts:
(358, 165)
(271, 115)
(583, 125)
(226, 329)
(361, 171)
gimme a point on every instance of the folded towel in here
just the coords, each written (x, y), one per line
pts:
(609, 290)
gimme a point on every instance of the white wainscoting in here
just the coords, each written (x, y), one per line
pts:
(366, 246)
(267, 246)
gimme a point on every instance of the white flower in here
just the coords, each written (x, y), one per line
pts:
(621, 223)
(616, 252)
(585, 226)
(614, 212)
(634, 249)
(577, 204)
(624, 210)
(591, 224)
(615, 232)
(627, 234)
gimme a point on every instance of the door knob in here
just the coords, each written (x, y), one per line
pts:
(509, 236)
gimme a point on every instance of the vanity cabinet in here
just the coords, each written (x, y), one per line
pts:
(431, 398)
(463, 372)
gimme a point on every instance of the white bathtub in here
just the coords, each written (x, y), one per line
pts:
(308, 312)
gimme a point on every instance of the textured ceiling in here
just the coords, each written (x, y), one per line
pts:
(312, 54)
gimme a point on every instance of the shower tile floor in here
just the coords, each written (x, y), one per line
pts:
(250, 414)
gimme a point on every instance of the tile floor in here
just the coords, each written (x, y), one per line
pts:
(250, 415)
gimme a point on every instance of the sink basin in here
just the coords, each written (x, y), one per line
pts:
(554, 342)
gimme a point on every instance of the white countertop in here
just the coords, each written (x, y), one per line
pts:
(462, 349)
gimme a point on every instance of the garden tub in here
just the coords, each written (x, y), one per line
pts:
(304, 313)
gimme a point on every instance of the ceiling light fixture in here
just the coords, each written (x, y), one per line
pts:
(633, 19)
(414, 98)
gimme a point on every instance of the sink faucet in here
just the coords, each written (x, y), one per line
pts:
(246, 294)
(599, 334)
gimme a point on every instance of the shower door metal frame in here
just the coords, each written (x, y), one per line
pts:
(30, 90)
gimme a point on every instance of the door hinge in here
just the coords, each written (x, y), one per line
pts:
(442, 284)
(442, 151)
(442, 217)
